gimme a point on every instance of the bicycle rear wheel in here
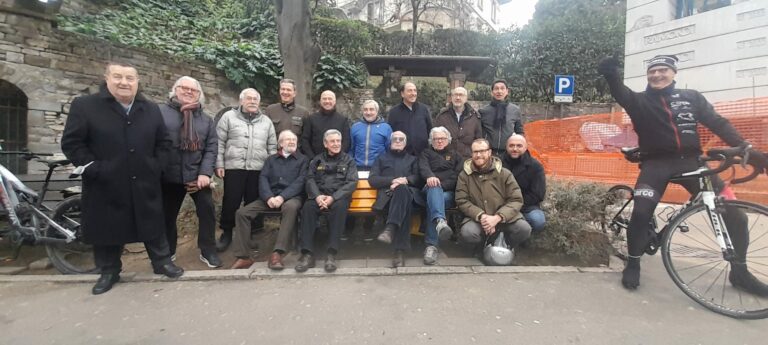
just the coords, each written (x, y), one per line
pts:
(75, 257)
(618, 212)
(695, 262)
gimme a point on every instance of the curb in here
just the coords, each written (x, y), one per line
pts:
(265, 273)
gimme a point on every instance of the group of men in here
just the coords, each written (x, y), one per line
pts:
(141, 159)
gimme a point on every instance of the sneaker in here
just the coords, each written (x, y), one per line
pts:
(173, 257)
(210, 258)
(430, 255)
(224, 241)
(742, 279)
(444, 231)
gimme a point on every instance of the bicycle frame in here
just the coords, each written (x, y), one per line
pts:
(11, 188)
(708, 197)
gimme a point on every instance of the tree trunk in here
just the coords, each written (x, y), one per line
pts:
(299, 51)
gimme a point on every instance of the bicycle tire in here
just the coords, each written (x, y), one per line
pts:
(695, 263)
(618, 211)
(75, 257)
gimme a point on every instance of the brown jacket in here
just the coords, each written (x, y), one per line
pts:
(462, 133)
(284, 119)
(492, 191)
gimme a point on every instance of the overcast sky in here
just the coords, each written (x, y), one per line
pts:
(516, 12)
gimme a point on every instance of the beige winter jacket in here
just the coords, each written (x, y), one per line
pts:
(244, 143)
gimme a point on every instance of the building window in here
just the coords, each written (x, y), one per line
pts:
(480, 4)
(494, 8)
(370, 12)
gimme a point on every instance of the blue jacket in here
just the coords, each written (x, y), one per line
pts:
(369, 140)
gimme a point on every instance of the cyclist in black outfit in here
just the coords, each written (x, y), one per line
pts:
(665, 120)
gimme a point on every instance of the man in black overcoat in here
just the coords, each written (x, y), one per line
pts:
(118, 136)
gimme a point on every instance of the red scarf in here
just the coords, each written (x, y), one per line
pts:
(190, 141)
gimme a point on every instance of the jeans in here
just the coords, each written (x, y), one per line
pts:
(535, 217)
(437, 201)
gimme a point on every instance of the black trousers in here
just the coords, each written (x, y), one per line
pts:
(337, 215)
(107, 258)
(650, 187)
(240, 186)
(399, 213)
(173, 197)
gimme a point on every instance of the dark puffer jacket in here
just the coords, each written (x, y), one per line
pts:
(445, 165)
(184, 166)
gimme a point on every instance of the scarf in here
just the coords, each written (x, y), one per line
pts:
(190, 141)
(501, 113)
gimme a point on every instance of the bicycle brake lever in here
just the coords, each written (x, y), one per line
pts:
(745, 158)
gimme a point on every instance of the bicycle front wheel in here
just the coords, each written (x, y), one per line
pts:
(695, 262)
(75, 257)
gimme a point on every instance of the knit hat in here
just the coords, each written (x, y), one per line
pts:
(663, 60)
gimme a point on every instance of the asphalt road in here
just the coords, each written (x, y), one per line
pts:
(480, 308)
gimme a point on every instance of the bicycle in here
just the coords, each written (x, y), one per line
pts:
(31, 222)
(695, 244)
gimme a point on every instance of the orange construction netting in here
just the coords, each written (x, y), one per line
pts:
(587, 147)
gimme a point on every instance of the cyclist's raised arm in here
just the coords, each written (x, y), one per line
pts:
(74, 140)
(609, 69)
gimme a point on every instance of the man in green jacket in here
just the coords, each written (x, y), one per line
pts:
(490, 199)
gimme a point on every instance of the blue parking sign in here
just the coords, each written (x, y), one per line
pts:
(564, 85)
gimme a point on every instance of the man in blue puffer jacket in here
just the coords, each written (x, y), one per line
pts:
(370, 136)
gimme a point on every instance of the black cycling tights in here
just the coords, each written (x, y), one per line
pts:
(651, 184)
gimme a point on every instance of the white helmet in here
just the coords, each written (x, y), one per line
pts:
(498, 253)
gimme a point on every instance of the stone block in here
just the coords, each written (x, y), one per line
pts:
(40, 264)
(14, 57)
(35, 118)
(525, 269)
(68, 66)
(44, 105)
(38, 61)
(13, 38)
(37, 42)
(11, 270)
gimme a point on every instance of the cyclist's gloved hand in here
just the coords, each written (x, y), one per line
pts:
(608, 67)
(758, 159)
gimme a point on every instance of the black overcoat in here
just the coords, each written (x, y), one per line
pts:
(390, 165)
(121, 201)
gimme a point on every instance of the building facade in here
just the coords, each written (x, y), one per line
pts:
(722, 45)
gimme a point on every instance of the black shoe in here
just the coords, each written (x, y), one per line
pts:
(398, 259)
(306, 261)
(169, 270)
(210, 258)
(105, 282)
(742, 279)
(224, 241)
(330, 263)
(630, 277)
(386, 235)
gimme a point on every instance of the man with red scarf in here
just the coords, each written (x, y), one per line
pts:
(188, 165)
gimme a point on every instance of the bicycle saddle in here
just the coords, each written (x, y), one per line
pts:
(632, 154)
(53, 164)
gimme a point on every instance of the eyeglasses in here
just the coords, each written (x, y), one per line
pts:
(189, 89)
(477, 152)
(439, 139)
(398, 139)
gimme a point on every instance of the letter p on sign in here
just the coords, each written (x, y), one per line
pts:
(564, 88)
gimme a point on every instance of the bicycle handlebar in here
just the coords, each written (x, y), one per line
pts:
(730, 156)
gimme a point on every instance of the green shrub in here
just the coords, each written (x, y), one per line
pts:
(575, 211)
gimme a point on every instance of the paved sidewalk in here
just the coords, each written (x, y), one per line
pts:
(569, 307)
